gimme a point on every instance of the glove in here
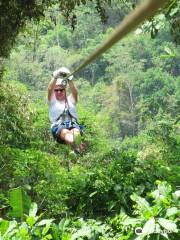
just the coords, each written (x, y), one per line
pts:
(62, 72)
(61, 81)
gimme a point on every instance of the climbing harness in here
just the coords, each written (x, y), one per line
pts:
(66, 115)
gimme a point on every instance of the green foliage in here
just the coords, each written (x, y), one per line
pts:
(143, 84)
(101, 184)
(156, 217)
(19, 202)
(172, 15)
(153, 219)
(15, 15)
(90, 229)
(31, 228)
(22, 68)
(156, 88)
(67, 229)
(16, 116)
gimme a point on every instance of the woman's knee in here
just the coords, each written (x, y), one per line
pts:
(68, 135)
(63, 133)
(75, 130)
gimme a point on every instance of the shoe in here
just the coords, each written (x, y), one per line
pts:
(79, 149)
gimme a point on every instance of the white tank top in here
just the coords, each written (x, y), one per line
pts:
(56, 108)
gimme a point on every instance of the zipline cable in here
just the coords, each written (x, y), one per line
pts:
(142, 12)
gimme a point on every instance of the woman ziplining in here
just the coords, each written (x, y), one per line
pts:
(62, 110)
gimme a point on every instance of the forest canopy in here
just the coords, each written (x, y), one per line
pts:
(16, 13)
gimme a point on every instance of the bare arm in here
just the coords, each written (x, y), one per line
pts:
(51, 87)
(73, 89)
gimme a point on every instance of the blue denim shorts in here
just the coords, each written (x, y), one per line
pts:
(57, 128)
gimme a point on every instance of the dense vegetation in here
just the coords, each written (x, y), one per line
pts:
(16, 13)
(129, 101)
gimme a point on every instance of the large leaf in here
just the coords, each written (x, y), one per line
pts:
(169, 51)
(149, 227)
(171, 211)
(168, 224)
(10, 230)
(164, 188)
(130, 221)
(31, 220)
(33, 209)
(63, 224)
(139, 237)
(4, 224)
(142, 203)
(84, 232)
(176, 195)
(46, 222)
(20, 202)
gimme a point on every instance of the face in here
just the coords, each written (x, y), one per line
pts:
(60, 92)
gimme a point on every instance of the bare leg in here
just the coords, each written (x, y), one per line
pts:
(73, 138)
(67, 136)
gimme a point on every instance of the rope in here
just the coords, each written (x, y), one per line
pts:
(142, 12)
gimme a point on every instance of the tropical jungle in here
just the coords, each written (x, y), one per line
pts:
(125, 185)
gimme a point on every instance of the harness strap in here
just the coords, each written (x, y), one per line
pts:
(66, 111)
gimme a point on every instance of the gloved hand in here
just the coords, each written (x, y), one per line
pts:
(62, 73)
(56, 73)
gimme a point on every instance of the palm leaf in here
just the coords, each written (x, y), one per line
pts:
(20, 202)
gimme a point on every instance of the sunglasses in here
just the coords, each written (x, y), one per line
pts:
(59, 90)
